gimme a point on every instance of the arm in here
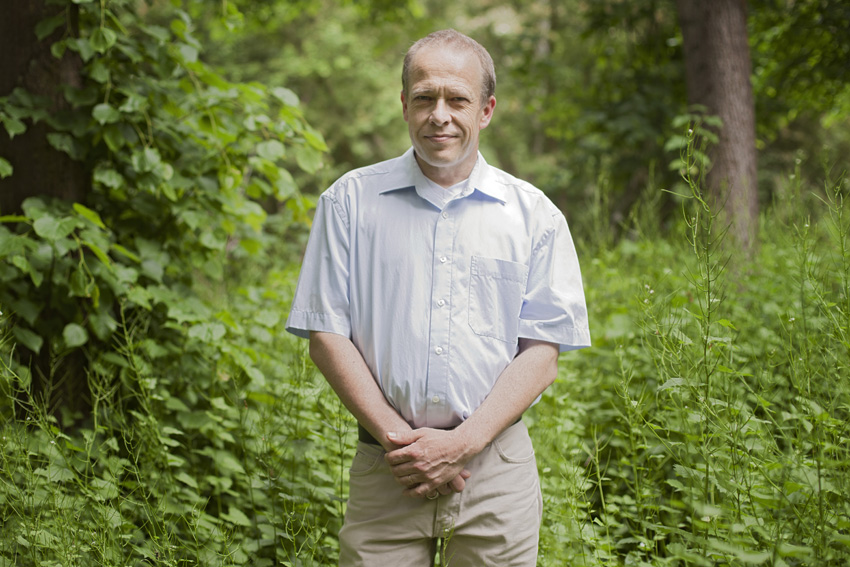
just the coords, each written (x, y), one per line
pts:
(431, 457)
(345, 370)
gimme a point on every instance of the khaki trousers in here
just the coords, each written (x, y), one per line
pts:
(495, 521)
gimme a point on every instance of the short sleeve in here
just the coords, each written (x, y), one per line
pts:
(554, 308)
(321, 301)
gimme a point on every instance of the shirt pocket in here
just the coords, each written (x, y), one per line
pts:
(495, 297)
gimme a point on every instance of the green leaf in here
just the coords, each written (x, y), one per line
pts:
(315, 139)
(308, 158)
(236, 516)
(57, 50)
(51, 228)
(286, 96)
(270, 150)
(5, 168)
(13, 126)
(98, 251)
(113, 137)
(13, 218)
(105, 113)
(125, 252)
(188, 53)
(27, 338)
(145, 160)
(74, 335)
(89, 215)
(186, 479)
(47, 26)
(285, 186)
(102, 39)
(207, 332)
(64, 143)
(109, 178)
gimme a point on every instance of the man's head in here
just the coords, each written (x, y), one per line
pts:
(447, 100)
(456, 41)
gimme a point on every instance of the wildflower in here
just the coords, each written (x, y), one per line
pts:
(791, 320)
(690, 130)
(52, 442)
(651, 291)
(646, 301)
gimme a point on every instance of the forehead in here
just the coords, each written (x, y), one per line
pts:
(446, 65)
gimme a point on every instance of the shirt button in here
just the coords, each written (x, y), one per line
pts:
(439, 350)
(443, 259)
(445, 215)
(441, 302)
(436, 399)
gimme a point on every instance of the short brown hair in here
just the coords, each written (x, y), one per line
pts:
(454, 38)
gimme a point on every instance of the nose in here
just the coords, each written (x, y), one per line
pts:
(440, 115)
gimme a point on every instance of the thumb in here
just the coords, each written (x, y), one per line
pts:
(402, 438)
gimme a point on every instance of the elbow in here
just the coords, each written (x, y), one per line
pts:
(550, 372)
(318, 345)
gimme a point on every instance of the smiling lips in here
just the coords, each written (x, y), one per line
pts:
(440, 138)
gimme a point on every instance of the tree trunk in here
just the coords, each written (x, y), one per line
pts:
(39, 169)
(717, 71)
(27, 62)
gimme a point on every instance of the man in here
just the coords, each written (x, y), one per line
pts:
(436, 292)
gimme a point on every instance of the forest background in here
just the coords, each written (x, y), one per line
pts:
(158, 166)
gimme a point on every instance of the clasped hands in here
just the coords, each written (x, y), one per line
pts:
(429, 461)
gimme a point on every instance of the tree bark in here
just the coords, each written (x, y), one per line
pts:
(26, 62)
(39, 169)
(717, 72)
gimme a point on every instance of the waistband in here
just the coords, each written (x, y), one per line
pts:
(366, 437)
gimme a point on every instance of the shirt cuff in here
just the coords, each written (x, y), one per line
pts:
(567, 338)
(300, 323)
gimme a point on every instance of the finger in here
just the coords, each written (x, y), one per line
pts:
(418, 491)
(407, 481)
(400, 456)
(457, 484)
(402, 438)
(444, 489)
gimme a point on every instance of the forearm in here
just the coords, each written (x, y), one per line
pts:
(526, 377)
(428, 457)
(347, 373)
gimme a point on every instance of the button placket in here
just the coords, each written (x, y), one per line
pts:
(438, 365)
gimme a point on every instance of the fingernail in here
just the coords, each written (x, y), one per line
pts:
(392, 435)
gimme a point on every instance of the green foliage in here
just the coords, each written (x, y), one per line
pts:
(183, 459)
(184, 167)
(142, 417)
(709, 423)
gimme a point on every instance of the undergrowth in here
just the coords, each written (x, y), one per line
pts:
(708, 425)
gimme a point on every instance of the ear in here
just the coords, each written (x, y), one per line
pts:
(487, 112)
(403, 106)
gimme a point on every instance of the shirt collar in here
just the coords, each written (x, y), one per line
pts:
(481, 180)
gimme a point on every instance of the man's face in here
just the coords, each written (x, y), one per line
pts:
(444, 111)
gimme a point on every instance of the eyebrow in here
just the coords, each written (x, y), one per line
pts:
(452, 90)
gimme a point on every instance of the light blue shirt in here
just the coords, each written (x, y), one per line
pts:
(435, 290)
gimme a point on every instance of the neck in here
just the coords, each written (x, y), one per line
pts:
(447, 176)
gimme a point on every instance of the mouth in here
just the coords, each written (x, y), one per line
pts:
(440, 138)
